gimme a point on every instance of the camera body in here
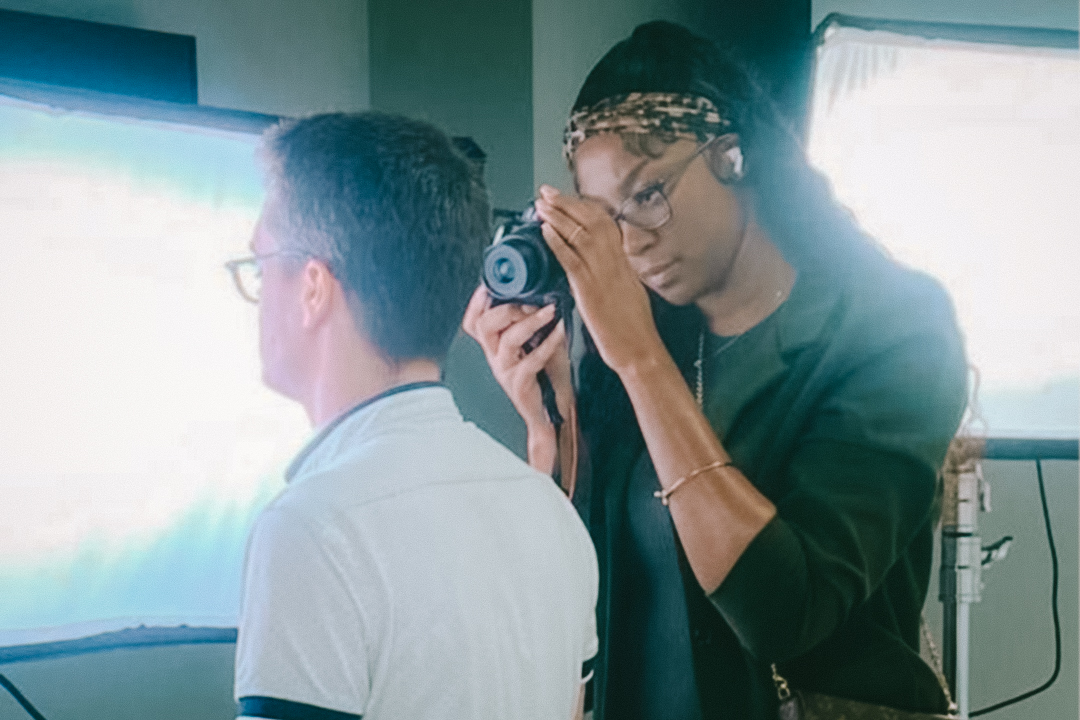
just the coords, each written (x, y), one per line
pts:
(519, 267)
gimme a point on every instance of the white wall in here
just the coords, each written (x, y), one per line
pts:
(1059, 14)
(274, 56)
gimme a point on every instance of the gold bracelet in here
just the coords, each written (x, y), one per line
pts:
(664, 494)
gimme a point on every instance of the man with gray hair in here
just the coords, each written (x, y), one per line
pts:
(412, 567)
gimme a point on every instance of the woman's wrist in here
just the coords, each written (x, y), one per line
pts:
(646, 364)
(542, 447)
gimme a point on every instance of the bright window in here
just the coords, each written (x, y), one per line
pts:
(963, 159)
(136, 437)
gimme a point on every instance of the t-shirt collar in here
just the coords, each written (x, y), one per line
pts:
(301, 458)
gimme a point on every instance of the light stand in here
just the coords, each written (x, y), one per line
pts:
(961, 571)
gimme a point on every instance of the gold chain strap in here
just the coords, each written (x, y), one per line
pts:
(939, 668)
(782, 690)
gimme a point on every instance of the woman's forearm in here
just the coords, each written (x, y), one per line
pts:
(717, 513)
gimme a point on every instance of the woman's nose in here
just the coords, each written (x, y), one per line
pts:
(635, 240)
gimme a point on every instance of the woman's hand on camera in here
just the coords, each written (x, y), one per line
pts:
(501, 331)
(613, 303)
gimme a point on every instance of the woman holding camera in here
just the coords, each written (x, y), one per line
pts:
(765, 401)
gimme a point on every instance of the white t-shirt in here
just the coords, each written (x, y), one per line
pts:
(415, 568)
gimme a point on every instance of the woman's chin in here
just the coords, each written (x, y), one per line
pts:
(672, 293)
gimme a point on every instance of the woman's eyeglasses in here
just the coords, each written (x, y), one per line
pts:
(650, 208)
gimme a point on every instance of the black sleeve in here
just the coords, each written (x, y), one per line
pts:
(861, 483)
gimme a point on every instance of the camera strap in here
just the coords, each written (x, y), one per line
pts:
(566, 438)
(566, 428)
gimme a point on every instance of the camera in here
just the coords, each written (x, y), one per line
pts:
(519, 267)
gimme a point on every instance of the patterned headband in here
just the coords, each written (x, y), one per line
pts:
(673, 114)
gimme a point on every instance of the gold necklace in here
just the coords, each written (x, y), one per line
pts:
(699, 364)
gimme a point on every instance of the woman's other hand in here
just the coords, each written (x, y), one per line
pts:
(501, 331)
(613, 303)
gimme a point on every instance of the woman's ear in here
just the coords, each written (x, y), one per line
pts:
(726, 159)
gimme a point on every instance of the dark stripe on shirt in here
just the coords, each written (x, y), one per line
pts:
(588, 666)
(587, 669)
(276, 709)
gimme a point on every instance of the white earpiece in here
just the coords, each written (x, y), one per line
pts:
(735, 156)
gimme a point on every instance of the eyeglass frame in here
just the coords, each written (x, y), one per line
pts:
(665, 187)
(233, 266)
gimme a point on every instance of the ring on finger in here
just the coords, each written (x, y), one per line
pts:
(570, 240)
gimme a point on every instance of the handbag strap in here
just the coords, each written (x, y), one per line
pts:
(783, 692)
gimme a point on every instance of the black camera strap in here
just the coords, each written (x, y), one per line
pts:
(566, 429)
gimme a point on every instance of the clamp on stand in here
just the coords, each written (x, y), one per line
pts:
(966, 494)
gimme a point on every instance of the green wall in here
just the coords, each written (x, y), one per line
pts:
(465, 66)
(181, 682)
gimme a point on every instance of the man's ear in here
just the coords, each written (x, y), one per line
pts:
(317, 285)
(725, 159)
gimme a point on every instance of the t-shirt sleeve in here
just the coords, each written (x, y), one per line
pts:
(861, 482)
(301, 641)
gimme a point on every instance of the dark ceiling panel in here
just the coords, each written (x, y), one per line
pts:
(95, 56)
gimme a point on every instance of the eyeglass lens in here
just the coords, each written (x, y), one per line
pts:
(648, 210)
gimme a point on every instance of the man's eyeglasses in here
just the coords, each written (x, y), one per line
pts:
(247, 272)
(650, 208)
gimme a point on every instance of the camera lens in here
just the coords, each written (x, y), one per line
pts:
(503, 270)
(519, 266)
(515, 268)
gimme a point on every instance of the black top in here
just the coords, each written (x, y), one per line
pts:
(839, 407)
(651, 666)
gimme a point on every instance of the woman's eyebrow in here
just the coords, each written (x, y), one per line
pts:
(599, 201)
(624, 187)
(631, 177)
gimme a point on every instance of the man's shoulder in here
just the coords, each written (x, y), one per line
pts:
(286, 534)
(405, 460)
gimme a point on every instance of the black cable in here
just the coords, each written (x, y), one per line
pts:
(21, 699)
(1053, 608)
